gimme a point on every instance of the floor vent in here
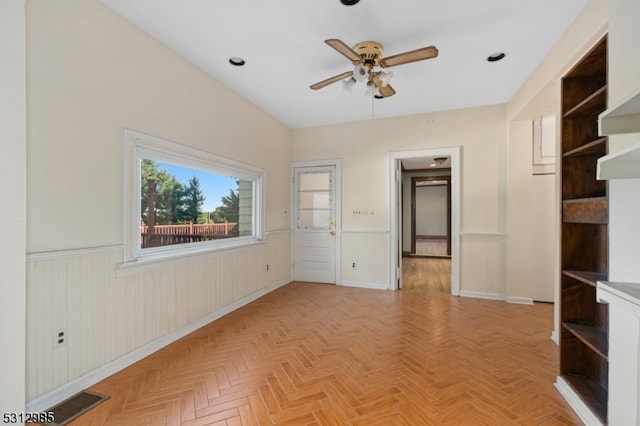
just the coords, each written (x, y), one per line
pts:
(75, 406)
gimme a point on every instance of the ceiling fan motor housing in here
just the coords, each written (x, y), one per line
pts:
(369, 51)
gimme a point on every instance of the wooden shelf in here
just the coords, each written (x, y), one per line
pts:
(586, 277)
(586, 210)
(592, 105)
(595, 338)
(596, 147)
(593, 394)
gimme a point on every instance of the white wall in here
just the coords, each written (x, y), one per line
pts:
(519, 280)
(13, 211)
(363, 148)
(431, 210)
(624, 198)
(90, 75)
(545, 237)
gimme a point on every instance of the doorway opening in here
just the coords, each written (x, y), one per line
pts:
(426, 266)
(403, 240)
(430, 214)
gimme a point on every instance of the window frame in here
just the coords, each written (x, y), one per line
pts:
(140, 146)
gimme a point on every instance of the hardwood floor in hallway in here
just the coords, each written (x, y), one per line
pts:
(431, 274)
(315, 354)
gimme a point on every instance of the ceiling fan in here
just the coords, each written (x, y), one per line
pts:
(367, 59)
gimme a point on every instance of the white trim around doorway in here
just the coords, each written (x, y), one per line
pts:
(394, 217)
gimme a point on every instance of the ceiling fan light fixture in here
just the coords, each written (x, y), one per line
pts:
(360, 73)
(385, 77)
(348, 84)
(371, 89)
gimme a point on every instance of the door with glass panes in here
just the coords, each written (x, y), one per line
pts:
(315, 224)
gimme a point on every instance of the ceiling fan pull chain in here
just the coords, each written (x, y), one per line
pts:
(373, 107)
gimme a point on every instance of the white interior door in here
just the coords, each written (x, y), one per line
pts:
(315, 224)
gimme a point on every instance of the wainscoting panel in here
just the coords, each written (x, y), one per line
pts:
(482, 270)
(370, 252)
(104, 318)
(70, 293)
(278, 257)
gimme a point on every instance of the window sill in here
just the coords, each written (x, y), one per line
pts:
(176, 257)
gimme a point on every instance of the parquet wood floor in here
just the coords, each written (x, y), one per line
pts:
(426, 273)
(314, 354)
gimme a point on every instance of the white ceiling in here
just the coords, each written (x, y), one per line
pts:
(282, 42)
(425, 163)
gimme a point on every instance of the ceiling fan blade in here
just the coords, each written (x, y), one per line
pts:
(345, 50)
(411, 56)
(323, 83)
(384, 90)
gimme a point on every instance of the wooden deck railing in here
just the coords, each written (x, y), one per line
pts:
(164, 235)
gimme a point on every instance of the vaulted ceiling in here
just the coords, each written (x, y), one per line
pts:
(282, 44)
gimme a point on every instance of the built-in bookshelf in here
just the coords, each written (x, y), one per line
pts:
(584, 239)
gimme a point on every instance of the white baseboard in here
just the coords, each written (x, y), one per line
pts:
(362, 284)
(69, 389)
(481, 295)
(585, 414)
(519, 300)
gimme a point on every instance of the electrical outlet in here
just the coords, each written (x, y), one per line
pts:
(267, 267)
(353, 265)
(60, 337)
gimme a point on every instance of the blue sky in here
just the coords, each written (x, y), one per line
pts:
(213, 186)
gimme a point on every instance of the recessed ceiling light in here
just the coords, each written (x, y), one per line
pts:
(238, 62)
(349, 2)
(496, 57)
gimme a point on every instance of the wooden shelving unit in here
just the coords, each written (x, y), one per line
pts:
(584, 242)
